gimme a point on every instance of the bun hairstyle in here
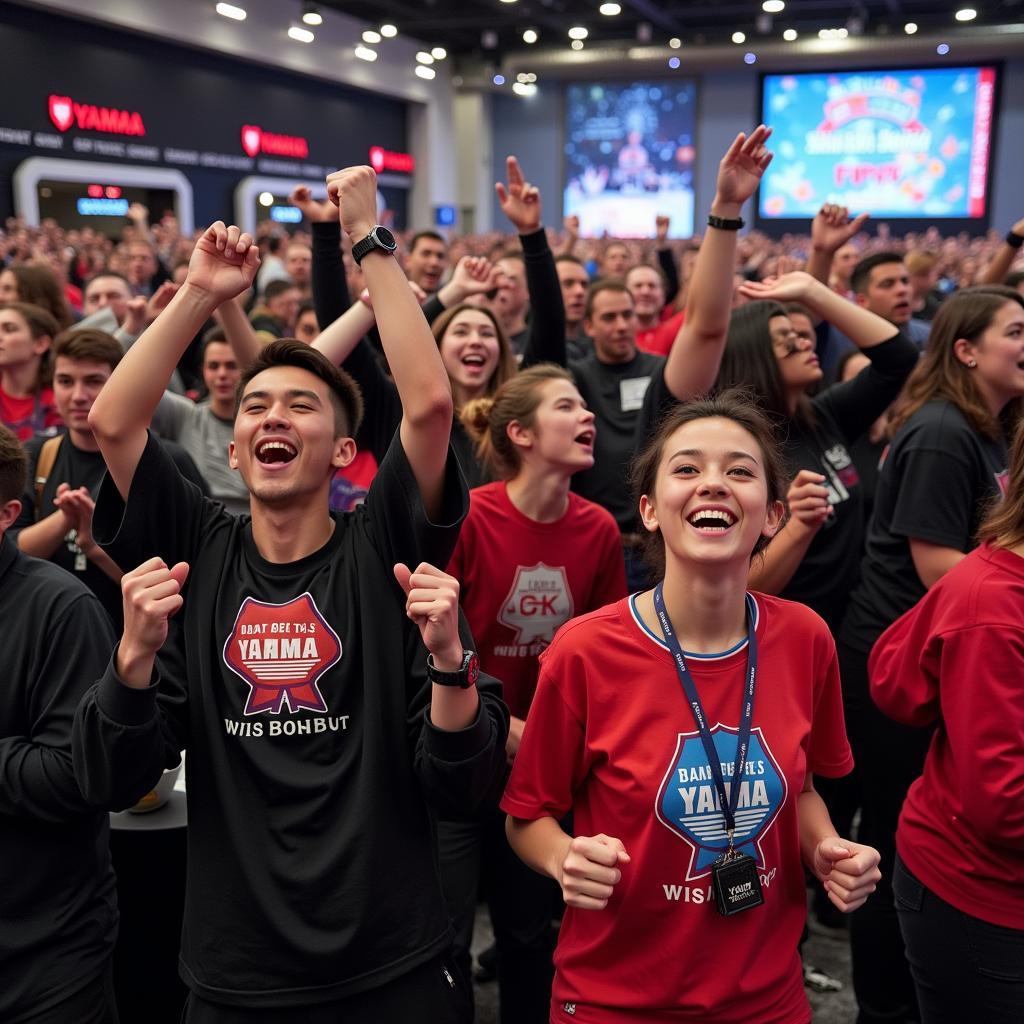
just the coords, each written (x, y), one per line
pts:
(487, 419)
(736, 404)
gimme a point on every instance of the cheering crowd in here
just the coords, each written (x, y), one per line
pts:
(637, 584)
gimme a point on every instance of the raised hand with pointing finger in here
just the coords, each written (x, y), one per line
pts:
(519, 200)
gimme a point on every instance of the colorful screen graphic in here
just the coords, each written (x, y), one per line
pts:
(892, 143)
(629, 155)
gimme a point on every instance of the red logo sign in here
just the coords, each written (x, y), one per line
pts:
(65, 112)
(384, 160)
(280, 651)
(256, 140)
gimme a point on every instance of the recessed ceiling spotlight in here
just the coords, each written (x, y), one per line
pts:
(388, 31)
(424, 58)
(311, 15)
(439, 53)
(577, 44)
(301, 35)
(231, 11)
(365, 53)
(266, 199)
(610, 10)
(488, 39)
(942, 49)
(524, 89)
(750, 58)
(369, 36)
(739, 37)
(773, 6)
(673, 62)
(675, 42)
(966, 14)
(578, 32)
(425, 72)
(789, 35)
(910, 28)
(530, 36)
(498, 79)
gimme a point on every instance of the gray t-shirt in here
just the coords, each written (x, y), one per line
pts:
(205, 437)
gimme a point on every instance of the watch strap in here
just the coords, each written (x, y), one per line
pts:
(464, 677)
(725, 223)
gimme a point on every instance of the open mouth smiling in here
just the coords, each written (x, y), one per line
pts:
(271, 452)
(711, 520)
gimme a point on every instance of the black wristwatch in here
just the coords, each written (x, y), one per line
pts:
(466, 676)
(378, 238)
(723, 223)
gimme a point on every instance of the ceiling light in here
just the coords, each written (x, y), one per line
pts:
(365, 53)
(488, 39)
(388, 31)
(773, 6)
(942, 49)
(789, 35)
(521, 77)
(675, 42)
(301, 35)
(577, 44)
(498, 79)
(425, 72)
(231, 11)
(530, 36)
(424, 58)
(369, 36)
(739, 37)
(524, 89)
(673, 62)
(439, 53)
(312, 16)
(610, 10)
(750, 58)
(966, 14)
(508, 1)
(266, 199)
(833, 33)
(578, 32)
(910, 28)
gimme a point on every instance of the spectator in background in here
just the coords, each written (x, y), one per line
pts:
(845, 259)
(574, 281)
(142, 268)
(511, 303)
(615, 260)
(654, 333)
(298, 263)
(923, 270)
(306, 326)
(26, 282)
(272, 267)
(26, 398)
(280, 309)
(426, 260)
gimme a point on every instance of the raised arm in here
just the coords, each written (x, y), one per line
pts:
(411, 351)
(696, 354)
(830, 229)
(330, 289)
(223, 265)
(239, 332)
(666, 258)
(997, 270)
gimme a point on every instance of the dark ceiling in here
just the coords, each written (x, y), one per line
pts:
(459, 25)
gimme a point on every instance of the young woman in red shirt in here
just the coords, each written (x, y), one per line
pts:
(531, 554)
(26, 398)
(681, 727)
(955, 661)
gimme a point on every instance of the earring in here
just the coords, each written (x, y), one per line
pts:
(972, 363)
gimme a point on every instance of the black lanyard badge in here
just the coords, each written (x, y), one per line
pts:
(734, 876)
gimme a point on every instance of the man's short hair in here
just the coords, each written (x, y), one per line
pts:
(920, 261)
(1013, 280)
(106, 273)
(276, 288)
(214, 336)
(862, 271)
(604, 284)
(420, 235)
(649, 266)
(569, 258)
(89, 344)
(344, 391)
(13, 466)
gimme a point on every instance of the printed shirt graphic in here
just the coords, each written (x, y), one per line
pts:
(538, 603)
(280, 651)
(612, 737)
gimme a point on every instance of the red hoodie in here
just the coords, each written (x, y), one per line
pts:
(957, 659)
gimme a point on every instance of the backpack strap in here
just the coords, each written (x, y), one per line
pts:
(44, 466)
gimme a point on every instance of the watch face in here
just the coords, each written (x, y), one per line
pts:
(385, 238)
(473, 669)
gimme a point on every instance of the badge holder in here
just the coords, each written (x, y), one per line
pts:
(735, 881)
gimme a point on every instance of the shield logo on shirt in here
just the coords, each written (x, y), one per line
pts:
(281, 651)
(688, 803)
(538, 603)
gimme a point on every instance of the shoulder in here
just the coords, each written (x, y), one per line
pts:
(591, 515)
(39, 587)
(589, 637)
(794, 622)
(487, 497)
(939, 424)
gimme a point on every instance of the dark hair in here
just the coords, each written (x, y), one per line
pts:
(862, 270)
(1013, 280)
(344, 391)
(216, 335)
(39, 286)
(1003, 526)
(749, 361)
(647, 266)
(506, 367)
(735, 404)
(107, 273)
(850, 353)
(566, 257)
(13, 466)
(305, 306)
(487, 419)
(41, 324)
(87, 343)
(275, 288)
(420, 235)
(604, 284)
(967, 314)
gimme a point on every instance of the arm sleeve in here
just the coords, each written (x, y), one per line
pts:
(432, 309)
(901, 669)
(330, 289)
(459, 771)
(855, 404)
(983, 715)
(400, 529)
(667, 262)
(171, 414)
(27, 515)
(37, 776)
(381, 402)
(546, 340)
(936, 499)
(828, 751)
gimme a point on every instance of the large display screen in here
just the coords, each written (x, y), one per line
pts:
(912, 143)
(629, 156)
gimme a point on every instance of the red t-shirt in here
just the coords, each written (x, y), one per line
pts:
(957, 658)
(521, 580)
(612, 737)
(658, 340)
(35, 414)
(350, 485)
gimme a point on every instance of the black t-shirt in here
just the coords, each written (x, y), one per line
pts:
(615, 392)
(58, 902)
(310, 753)
(935, 482)
(79, 468)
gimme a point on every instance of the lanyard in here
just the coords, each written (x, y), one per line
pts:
(728, 800)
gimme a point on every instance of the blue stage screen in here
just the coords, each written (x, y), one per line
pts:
(629, 156)
(912, 143)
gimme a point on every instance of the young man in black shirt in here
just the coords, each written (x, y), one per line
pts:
(58, 902)
(320, 736)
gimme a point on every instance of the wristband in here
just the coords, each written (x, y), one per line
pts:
(1013, 240)
(725, 223)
